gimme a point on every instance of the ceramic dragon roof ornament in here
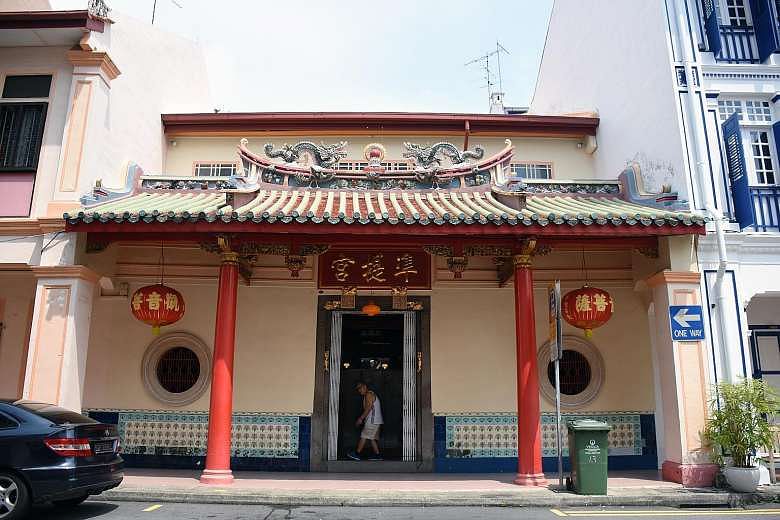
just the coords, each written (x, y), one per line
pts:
(324, 155)
(306, 164)
(428, 156)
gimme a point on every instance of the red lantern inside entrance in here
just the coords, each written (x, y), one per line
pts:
(157, 305)
(587, 308)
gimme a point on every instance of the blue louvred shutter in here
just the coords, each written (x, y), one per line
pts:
(735, 159)
(711, 26)
(766, 27)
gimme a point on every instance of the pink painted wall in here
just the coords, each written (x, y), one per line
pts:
(16, 191)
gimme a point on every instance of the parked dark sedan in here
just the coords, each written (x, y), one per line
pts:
(50, 454)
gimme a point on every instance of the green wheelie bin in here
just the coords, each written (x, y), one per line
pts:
(588, 456)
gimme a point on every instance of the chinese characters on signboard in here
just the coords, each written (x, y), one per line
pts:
(375, 269)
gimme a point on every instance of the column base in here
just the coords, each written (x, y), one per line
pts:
(530, 479)
(216, 477)
(689, 475)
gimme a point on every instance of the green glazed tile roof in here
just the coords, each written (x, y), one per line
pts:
(438, 207)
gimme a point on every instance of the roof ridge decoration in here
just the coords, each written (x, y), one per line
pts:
(468, 169)
(427, 156)
(325, 155)
(99, 9)
(474, 192)
(634, 188)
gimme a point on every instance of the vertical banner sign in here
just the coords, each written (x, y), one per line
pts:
(556, 351)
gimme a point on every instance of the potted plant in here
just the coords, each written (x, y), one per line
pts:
(738, 427)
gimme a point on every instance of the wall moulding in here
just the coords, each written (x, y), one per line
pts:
(100, 60)
(30, 226)
(673, 277)
(209, 272)
(65, 271)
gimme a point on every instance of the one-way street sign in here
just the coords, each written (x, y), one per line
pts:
(687, 323)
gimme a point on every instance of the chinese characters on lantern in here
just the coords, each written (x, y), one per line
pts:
(157, 305)
(587, 302)
(373, 269)
(587, 308)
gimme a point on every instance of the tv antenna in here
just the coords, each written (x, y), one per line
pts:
(484, 60)
(154, 8)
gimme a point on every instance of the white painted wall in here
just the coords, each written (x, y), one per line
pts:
(611, 56)
(160, 72)
(24, 5)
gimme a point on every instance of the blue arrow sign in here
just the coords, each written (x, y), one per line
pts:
(687, 322)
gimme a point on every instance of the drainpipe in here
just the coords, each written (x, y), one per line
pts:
(720, 295)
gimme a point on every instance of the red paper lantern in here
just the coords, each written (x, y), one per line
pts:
(587, 308)
(157, 305)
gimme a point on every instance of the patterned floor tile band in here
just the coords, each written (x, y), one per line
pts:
(184, 433)
(483, 436)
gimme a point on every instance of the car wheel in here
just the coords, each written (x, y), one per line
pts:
(69, 502)
(14, 497)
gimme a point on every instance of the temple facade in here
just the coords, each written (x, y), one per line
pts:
(220, 295)
(302, 253)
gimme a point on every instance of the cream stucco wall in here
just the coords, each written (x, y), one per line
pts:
(274, 359)
(472, 335)
(569, 161)
(473, 352)
(17, 293)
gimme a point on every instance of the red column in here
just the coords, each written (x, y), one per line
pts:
(221, 406)
(529, 436)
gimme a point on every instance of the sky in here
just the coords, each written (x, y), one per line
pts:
(352, 55)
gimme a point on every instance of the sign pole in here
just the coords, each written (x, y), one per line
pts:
(556, 351)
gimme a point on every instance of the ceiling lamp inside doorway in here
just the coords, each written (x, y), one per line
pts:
(371, 309)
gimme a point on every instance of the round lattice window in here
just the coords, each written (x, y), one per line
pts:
(581, 370)
(176, 368)
(575, 373)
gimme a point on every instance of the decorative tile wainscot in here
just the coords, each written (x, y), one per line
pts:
(162, 438)
(488, 442)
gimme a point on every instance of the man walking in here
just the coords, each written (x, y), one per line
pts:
(371, 419)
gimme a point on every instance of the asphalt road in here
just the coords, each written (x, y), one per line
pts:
(159, 511)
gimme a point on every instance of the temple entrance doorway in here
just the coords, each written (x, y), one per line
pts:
(389, 352)
(372, 352)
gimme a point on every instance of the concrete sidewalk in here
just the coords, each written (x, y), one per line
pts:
(431, 489)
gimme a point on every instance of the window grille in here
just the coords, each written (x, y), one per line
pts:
(178, 370)
(531, 170)
(575, 372)
(21, 134)
(215, 169)
(391, 166)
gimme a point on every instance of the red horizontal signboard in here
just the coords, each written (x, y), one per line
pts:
(374, 269)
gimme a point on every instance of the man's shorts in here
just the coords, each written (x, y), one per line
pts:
(370, 431)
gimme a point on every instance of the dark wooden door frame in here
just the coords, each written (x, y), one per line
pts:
(319, 421)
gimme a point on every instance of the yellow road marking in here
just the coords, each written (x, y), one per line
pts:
(152, 508)
(558, 512)
(718, 512)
